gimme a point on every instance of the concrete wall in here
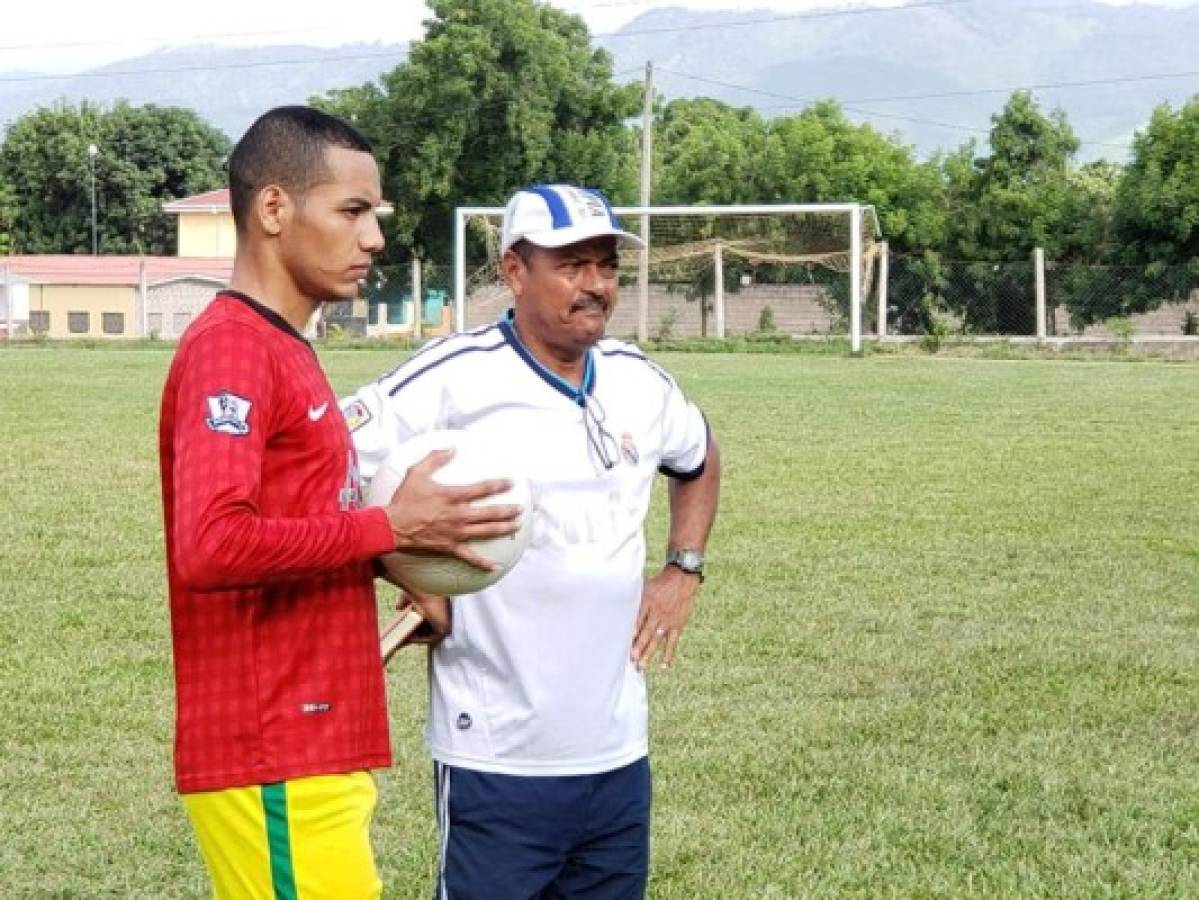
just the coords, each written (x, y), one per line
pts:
(1165, 321)
(59, 300)
(171, 306)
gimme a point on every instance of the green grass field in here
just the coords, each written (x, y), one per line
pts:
(949, 646)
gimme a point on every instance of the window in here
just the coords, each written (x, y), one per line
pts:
(113, 323)
(154, 323)
(39, 321)
(78, 322)
(179, 322)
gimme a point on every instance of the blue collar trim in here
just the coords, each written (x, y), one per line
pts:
(553, 379)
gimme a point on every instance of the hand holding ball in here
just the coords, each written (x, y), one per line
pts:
(440, 571)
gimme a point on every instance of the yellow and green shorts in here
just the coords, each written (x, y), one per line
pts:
(304, 839)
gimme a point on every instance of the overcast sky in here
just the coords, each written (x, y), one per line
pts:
(70, 35)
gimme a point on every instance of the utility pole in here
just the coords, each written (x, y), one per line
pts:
(647, 163)
(92, 152)
(418, 306)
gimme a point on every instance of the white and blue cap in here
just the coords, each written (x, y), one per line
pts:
(557, 215)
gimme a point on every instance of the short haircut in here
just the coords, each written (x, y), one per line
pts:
(285, 146)
(523, 249)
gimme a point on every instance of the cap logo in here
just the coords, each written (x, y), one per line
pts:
(590, 206)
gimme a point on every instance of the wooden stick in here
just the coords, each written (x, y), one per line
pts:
(397, 631)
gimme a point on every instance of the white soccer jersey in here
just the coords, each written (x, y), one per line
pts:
(536, 678)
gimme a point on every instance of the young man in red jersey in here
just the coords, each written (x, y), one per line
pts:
(281, 712)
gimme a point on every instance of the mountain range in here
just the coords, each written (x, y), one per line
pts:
(1106, 66)
(975, 51)
(227, 86)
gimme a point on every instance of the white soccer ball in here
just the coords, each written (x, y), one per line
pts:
(474, 460)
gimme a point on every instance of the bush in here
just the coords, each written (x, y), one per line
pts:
(1122, 328)
(665, 329)
(766, 320)
(938, 330)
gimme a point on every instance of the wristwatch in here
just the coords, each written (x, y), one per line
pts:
(690, 561)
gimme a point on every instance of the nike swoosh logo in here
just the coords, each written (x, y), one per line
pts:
(315, 412)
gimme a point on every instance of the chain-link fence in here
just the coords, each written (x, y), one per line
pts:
(1122, 301)
(753, 299)
(926, 295)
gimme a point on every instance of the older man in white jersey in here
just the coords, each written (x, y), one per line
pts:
(538, 721)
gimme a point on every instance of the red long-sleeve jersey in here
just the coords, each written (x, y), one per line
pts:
(273, 618)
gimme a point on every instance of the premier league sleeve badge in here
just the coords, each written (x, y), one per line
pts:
(228, 414)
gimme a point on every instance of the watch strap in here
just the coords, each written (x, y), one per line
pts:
(690, 561)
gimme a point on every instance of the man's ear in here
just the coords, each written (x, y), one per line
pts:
(273, 206)
(514, 270)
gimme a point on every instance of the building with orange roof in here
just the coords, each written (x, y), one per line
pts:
(76, 296)
(113, 297)
(205, 224)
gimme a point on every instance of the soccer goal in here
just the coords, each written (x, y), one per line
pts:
(794, 269)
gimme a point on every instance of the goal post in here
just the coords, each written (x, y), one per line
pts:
(800, 269)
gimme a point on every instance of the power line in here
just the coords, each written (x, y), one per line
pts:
(254, 64)
(1043, 86)
(171, 39)
(1049, 85)
(391, 129)
(806, 101)
(793, 100)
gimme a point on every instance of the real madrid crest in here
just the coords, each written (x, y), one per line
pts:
(628, 449)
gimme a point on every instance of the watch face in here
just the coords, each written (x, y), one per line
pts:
(687, 560)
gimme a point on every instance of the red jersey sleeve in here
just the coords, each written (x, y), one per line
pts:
(226, 414)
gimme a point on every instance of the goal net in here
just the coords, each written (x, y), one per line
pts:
(710, 271)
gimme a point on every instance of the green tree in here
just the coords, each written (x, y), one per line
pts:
(819, 156)
(1088, 212)
(498, 94)
(146, 155)
(1091, 292)
(1017, 199)
(1156, 218)
(1157, 203)
(1023, 195)
(8, 214)
(708, 152)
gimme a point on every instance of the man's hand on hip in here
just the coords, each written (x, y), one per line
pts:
(667, 600)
